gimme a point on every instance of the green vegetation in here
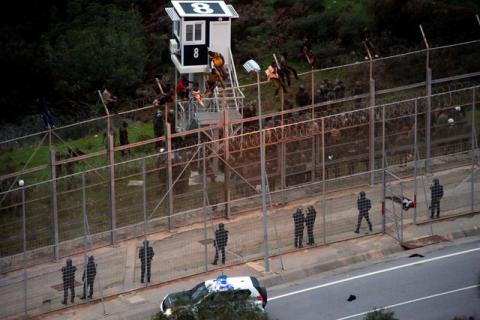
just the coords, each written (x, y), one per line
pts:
(227, 305)
(66, 50)
(380, 315)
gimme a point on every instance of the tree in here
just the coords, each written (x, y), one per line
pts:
(229, 305)
(101, 44)
(380, 315)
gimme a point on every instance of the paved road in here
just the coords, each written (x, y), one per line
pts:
(443, 284)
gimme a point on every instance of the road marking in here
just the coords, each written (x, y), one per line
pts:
(411, 301)
(369, 274)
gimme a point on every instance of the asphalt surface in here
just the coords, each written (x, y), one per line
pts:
(441, 285)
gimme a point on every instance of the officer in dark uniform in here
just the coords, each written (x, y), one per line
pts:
(436, 195)
(146, 260)
(68, 276)
(299, 222)
(364, 205)
(221, 239)
(90, 271)
(158, 123)
(310, 221)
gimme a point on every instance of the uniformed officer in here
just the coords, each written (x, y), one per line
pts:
(88, 278)
(310, 221)
(221, 239)
(436, 195)
(364, 205)
(146, 260)
(299, 223)
(68, 276)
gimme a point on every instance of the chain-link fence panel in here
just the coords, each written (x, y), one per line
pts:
(463, 57)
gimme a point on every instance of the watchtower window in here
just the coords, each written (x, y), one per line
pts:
(195, 33)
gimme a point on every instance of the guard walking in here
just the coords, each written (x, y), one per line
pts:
(436, 195)
(88, 278)
(364, 205)
(310, 221)
(299, 222)
(68, 276)
(221, 239)
(146, 260)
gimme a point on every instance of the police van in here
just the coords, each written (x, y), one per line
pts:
(241, 285)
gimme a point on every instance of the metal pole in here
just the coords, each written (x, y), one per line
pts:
(473, 149)
(428, 118)
(169, 177)
(24, 232)
(111, 158)
(85, 232)
(264, 188)
(324, 203)
(478, 19)
(313, 94)
(145, 223)
(415, 153)
(226, 146)
(372, 131)
(383, 169)
(204, 194)
(53, 173)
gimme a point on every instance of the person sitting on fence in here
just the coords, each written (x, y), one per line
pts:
(213, 81)
(198, 97)
(306, 50)
(109, 100)
(272, 75)
(218, 62)
(182, 87)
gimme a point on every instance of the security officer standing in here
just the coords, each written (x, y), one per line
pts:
(299, 222)
(364, 205)
(68, 276)
(310, 221)
(146, 260)
(88, 278)
(436, 195)
(221, 239)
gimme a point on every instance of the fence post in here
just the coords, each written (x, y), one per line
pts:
(473, 148)
(226, 171)
(372, 128)
(24, 234)
(204, 196)
(428, 117)
(169, 177)
(383, 171)
(144, 200)
(415, 153)
(53, 175)
(324, 204)
(111, 163)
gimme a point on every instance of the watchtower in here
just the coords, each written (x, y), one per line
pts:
(199, 26)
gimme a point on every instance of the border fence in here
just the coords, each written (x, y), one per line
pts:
(175, 189)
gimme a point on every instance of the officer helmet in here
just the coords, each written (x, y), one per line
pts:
(221, 226)
(299, 209)
(145, 243)
(69, 262)
(435, 180)
(362, 194)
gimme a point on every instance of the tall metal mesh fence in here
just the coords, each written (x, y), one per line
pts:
(318, 156)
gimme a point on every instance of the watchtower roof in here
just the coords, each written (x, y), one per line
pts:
(204, 9)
